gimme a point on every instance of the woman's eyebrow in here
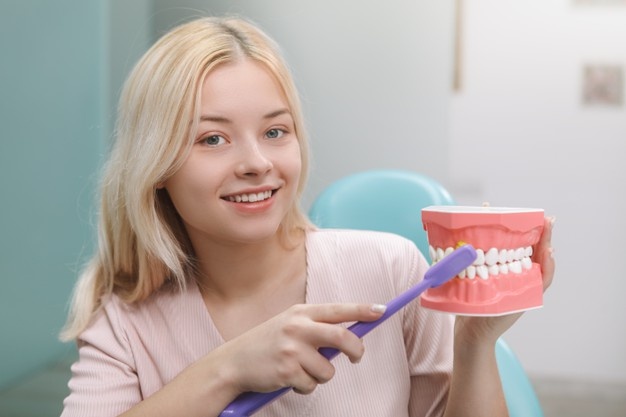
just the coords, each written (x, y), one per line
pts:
(277, 113)
(216, 119)
(222, 119)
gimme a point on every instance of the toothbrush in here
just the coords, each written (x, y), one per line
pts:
(249, 403)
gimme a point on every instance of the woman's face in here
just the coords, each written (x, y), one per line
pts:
(242, 174)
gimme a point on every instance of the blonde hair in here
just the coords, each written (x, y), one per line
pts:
(142, 242)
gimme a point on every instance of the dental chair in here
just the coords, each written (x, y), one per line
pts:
(391, 201)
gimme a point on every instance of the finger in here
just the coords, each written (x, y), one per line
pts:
(342, 313)
(317, 366)
(311, 368)
(340, 338)
(546, 236)
(547, 267)
(304, 383)
(290, 373)
(545, 241)
(545, 253)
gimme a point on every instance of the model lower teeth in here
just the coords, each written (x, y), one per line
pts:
(492, 262)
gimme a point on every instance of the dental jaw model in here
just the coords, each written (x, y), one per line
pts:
(502, 279)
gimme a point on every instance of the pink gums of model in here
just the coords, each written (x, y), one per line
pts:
(503, 279)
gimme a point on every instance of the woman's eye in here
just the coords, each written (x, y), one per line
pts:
(274, 133)
(213, 140)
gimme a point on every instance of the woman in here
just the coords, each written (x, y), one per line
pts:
(209, 281)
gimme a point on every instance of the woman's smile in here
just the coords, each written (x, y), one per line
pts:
(252, 202)
(250, 197)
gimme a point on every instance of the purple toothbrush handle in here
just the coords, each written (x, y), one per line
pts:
(436, 275)
(250, 402)
(361, 328)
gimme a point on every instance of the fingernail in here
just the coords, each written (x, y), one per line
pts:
(551, 252)
(552, 220)
(378, 308)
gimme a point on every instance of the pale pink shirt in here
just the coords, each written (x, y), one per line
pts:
(130, 352)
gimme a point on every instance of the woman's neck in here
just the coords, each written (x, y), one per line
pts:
(231, 272)
(244, 286)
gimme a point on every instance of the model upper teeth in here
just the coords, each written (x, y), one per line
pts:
(250, 198)
(491, 262)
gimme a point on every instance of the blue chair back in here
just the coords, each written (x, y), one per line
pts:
(385, 200)
(391, 201)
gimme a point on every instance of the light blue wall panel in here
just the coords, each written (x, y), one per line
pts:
(51, 135)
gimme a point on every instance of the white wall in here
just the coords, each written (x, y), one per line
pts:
(521, 137)
(375, 77)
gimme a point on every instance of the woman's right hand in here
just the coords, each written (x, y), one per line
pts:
(283, 351)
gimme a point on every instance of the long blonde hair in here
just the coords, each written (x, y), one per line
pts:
(142, 242)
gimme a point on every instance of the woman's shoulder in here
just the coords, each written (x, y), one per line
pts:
(359, 240)
(358, 265)
(151, 311)
(362, 250)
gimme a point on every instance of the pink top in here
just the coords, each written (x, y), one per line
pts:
(130, 352)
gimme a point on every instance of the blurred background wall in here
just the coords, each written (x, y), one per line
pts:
(524, 133)
(376, 81)
(51, 100)
(61, 67)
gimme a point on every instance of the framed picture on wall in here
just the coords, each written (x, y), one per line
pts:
(603, 85)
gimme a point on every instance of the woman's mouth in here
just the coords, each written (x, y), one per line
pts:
(250, 197)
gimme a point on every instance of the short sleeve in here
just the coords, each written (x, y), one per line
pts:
(104, 381)
(429, 337)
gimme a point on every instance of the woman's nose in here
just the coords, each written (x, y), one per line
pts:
(253, 160)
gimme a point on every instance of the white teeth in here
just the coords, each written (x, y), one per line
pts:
(515, 267)
(252, 198)
(502, 256)
(480, 257)
(490, 263)
(433, 254)
(491, 257)
(482, 271)
(471, 272)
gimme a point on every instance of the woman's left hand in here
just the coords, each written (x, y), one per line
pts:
(489, 329)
